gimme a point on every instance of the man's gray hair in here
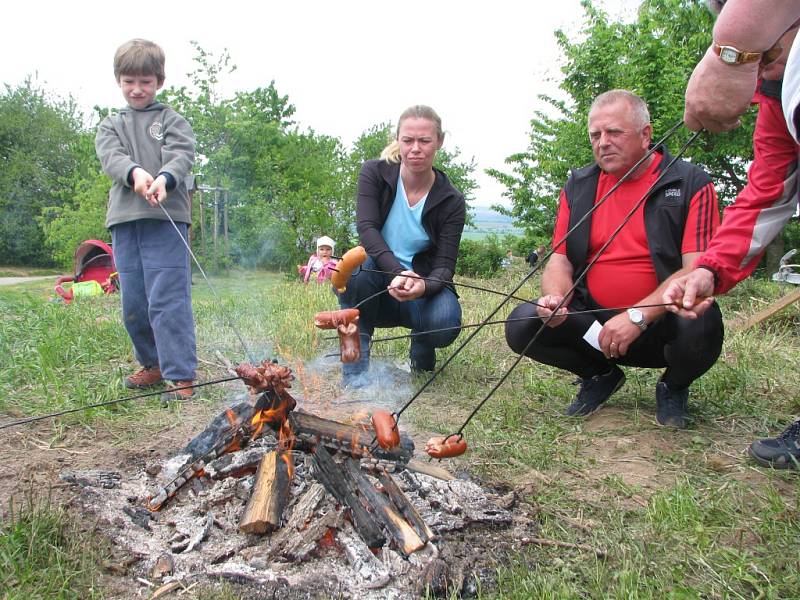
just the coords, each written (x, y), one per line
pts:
(638, 106)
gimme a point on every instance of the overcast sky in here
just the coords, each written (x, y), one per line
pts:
(344, 65)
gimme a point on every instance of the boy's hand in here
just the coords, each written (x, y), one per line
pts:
(157, 192)
(142, 180)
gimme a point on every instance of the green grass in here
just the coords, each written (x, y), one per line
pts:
(44, 554)
(680, 514)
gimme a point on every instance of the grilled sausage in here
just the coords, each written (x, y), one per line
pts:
(386, 431)
(349, 343)
(331, 319)
(441, 447)
(345, 267)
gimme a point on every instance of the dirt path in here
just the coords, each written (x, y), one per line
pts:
(16, 280)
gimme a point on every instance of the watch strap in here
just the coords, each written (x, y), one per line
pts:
(742, 56)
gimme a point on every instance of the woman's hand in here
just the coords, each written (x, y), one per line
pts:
(407, 286)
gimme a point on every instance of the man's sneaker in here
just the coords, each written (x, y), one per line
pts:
(594, 391)
(176, 391)
(144, 378)
(782, 452)
(672, 406)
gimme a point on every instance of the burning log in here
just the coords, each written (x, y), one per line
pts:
(270, 493)
(233, 441)
(401, 501)
(343, 488)
(351, 440)
(404, 536)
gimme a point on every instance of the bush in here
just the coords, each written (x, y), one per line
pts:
(479, 258)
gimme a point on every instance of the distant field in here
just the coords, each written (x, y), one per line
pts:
(489, 222)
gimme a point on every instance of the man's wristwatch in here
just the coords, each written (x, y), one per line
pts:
(733, 56)
(637, 318)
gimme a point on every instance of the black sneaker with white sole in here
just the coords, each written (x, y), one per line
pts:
(782, 452)
(594, 391)
(672, 406)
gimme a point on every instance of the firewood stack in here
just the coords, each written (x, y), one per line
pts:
(341, 456)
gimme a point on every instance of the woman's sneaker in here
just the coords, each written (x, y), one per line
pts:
(594, 391)
(782, 452)
(144, 378)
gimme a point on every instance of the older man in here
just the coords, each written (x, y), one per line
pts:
(661, 241)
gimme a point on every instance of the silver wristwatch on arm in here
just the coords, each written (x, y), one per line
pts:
(637, 318)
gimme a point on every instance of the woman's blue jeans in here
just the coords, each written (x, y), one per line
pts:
(441, 311)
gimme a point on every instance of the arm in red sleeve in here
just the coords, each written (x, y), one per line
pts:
(764, 205)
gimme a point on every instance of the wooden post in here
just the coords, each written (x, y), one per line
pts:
(200, 197)
(225, 219)
(766, 313)
(215, 232)
(270, 493)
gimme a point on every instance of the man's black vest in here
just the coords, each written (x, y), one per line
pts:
(665, 213)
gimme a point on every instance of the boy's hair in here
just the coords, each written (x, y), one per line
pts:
(139, 57)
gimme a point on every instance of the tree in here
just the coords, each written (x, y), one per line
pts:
(43, 153)
(653, 57)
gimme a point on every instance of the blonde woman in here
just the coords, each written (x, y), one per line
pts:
(409, 219)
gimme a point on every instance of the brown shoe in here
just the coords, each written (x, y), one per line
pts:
(144, 378)
(174, 393)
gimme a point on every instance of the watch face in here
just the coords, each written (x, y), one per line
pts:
(729, 55)
(635, 315)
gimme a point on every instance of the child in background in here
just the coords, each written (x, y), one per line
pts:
(147, 149)
(319, 263)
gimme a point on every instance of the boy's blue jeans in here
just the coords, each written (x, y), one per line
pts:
(155, 279)
(423, 314)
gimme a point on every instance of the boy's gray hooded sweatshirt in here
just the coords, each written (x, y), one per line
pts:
(156, 139)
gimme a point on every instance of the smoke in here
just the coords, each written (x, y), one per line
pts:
(386, 385)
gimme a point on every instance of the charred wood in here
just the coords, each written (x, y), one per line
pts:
(403, 504)
(343, 488)
(404, 536)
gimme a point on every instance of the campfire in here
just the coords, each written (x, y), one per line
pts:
(270, 494)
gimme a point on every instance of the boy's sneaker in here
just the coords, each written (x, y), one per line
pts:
(144, 378)
(782, 452)
(594, 391)
(174, 393)
(672, 406)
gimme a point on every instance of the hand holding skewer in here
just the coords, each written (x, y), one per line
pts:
(690, 295)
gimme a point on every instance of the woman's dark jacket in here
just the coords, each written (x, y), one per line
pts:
(442, 218)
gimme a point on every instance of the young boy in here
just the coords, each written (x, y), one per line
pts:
(147, 150)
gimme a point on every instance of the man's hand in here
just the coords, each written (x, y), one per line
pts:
(404, 288)
(142, 180)
(718, 93)
(545, 307)
(617, 335)
(683, 292)
(157, 192)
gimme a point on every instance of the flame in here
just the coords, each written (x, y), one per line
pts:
(231, 416)
(277, 418)
(287, 458)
